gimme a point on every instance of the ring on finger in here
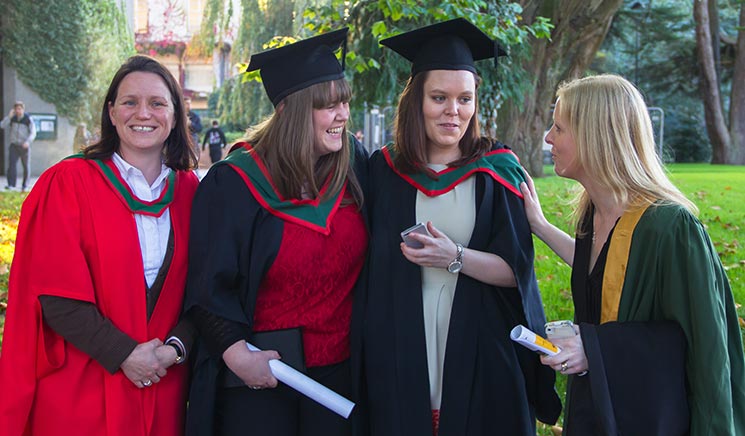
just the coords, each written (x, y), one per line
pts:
(256, 388)
(147, 383)
(564, 366)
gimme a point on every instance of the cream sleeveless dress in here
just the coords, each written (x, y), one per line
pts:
(453, 213)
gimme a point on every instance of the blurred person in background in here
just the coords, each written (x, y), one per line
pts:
(215, 138)
(22, 134)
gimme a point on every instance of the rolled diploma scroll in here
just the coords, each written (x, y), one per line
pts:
(309, 387)
(525, 337)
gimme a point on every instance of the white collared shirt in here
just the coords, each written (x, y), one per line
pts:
(153, 232)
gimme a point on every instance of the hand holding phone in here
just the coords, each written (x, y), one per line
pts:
(420, 228)
(560, 329)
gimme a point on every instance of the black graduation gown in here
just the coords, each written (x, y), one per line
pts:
(490, 385)
(233, 243)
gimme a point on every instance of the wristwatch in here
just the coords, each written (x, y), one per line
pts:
(456, 264)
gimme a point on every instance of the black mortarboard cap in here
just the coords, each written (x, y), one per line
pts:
(450, 45)
(296, 66)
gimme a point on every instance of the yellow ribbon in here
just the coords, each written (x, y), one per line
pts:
(617, 262)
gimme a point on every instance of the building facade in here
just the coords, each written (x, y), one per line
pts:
(162, 29)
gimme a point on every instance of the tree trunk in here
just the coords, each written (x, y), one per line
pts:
(715, 33)
(727, 144)
(580, 28)
(737, 101)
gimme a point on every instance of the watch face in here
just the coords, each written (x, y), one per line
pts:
(455, 266)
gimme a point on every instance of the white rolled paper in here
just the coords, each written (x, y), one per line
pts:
(528, 339)
(309, 387)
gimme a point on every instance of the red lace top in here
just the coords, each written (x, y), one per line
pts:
(310, 285)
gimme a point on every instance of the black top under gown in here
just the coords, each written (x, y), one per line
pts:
(587, 291)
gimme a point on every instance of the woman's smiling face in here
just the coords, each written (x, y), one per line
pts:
(328, 125)
(142, 113)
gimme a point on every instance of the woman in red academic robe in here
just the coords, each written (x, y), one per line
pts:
(96, 286)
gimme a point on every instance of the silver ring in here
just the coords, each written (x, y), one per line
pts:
(147, 383)
(564, 367)
(256, 388)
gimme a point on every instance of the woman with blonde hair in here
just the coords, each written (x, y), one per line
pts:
(278, 243)
(655, 310)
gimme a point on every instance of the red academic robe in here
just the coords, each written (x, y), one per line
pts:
(77, 238)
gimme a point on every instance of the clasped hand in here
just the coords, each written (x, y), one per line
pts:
(147, 363)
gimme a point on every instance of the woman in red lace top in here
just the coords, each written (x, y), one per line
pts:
(279, 240)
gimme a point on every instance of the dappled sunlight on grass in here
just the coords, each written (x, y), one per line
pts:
(722, 207)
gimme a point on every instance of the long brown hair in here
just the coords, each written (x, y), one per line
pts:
(178, 151)
(285, 142)
(411, 137)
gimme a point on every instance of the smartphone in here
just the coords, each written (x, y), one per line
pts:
(416, 228)
(559, 329)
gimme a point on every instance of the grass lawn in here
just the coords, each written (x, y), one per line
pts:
(716, 190)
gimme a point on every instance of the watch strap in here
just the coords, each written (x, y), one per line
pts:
(456, 264)
(177, 345)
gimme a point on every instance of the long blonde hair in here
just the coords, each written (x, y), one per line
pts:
(285, 143)
(615, 143)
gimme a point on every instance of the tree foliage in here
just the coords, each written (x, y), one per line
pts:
(379, 75)
(653, 44)
(66, 51)
(241, 102)
(579, 29)
(515, 97)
